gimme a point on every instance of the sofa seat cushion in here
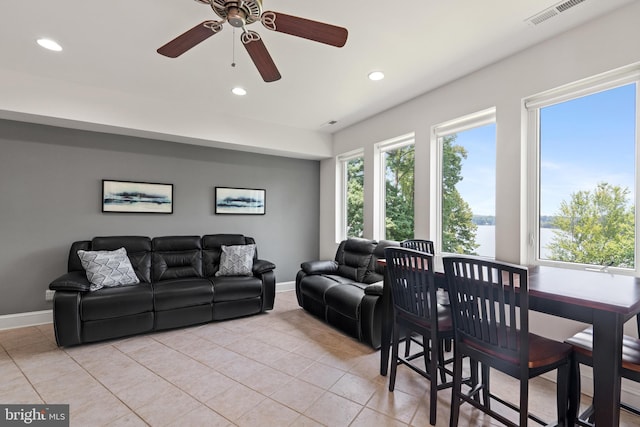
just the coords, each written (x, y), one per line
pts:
(108, 303)
(315, 286)
(180, 293)
(232, 288)
(345, 299)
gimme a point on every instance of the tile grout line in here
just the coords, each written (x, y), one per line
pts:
(133, 411)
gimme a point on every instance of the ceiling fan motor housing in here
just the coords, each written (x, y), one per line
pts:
(237, 13)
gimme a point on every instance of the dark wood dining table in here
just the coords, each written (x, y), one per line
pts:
(599, 298)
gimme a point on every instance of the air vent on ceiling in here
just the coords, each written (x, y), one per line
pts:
(568, 4)
(329, 123)
(553, 11)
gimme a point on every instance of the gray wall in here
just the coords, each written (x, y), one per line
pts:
(50, 196)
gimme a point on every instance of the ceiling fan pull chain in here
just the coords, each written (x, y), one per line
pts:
(233, 49)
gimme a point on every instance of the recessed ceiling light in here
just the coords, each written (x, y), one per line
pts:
(49, 44)
(376, 75)
(239, 91)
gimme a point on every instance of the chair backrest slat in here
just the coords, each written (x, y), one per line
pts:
(419, 245)
(413, 289)
(490, 305)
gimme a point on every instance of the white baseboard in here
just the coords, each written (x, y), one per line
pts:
(21, 320)
(285, 286)
(629, 392)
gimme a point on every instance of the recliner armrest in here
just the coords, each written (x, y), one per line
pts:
(74, 281)
(261, 266)
(319, 267)
(374, 289)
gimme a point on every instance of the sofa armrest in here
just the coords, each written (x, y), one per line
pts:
(74, 281)
(374, 289)
(319, 267)
(261, 266)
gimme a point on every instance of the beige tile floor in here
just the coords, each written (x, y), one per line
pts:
(281, 368)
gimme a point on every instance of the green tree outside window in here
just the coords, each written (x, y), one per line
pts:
(458, 229)
(595, 227)
(399, 192)
(355, 197)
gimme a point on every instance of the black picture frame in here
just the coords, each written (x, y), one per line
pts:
(240, 201)
(136, 197)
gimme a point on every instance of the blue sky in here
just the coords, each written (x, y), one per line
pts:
(479, 169)
(584, 141)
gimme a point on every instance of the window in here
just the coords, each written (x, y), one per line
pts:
(467, 190)
(397, 188)
(583, 144)
(352, 195)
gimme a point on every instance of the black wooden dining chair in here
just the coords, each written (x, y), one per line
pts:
(415, 310)
(490, 307)
(582, 344)
(427, 246)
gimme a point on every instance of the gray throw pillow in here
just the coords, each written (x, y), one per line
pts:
(236, 260)
(108, 268)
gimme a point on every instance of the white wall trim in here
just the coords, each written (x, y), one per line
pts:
(629, 391)
(285, 286)
(21, 320)
(33, 318)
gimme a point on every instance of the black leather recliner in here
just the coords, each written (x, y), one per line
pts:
(347, 292)
(178, 287)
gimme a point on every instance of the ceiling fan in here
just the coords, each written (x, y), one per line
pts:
(242, 13)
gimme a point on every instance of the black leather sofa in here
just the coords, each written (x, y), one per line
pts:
(347, 291)
(178, 287)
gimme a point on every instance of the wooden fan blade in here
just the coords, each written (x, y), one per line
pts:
(189, 39)
(260, 56)
(305, 28)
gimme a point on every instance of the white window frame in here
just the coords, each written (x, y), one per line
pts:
(380, 229)
(531, 111)
(450, 127)
(341, 191)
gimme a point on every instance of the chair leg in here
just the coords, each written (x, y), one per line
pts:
(407, 344)
(564, 406)
(394, 356)
(473, 368)
(574, 391)
(443, 374)
(524, 402)
(433, 374)
(448, 345)
(457, 388)
(486, 386)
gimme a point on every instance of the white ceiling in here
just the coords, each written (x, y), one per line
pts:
(109, 76)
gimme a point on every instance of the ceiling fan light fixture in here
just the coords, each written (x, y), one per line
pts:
(239, 91)
(376, 75)
(49, 44)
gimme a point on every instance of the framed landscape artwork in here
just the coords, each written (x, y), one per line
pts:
(137, 197)
(240, 201)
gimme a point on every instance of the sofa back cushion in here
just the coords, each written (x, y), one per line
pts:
(375, 272)
(138, 250)
(74, 263)
(354, 257)
(176, 257)
(212, 249)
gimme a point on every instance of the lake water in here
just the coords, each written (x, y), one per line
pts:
(485, 237)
